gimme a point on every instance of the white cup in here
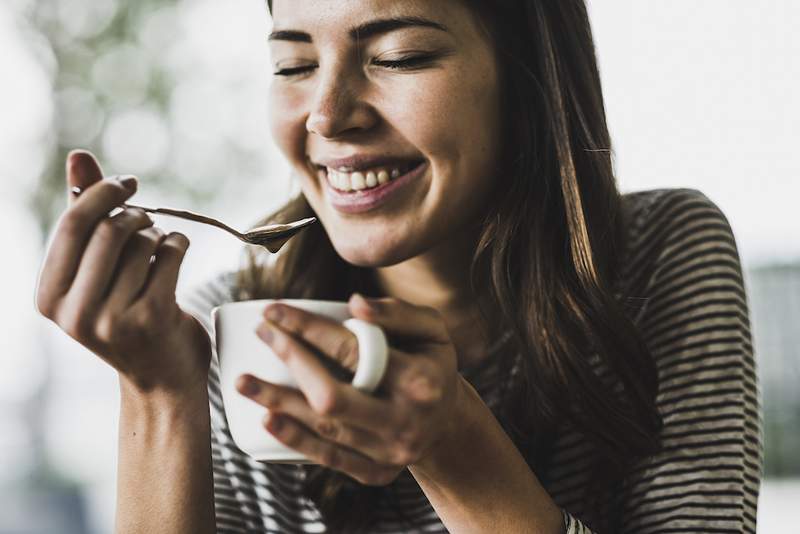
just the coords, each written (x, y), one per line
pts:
(241, 351)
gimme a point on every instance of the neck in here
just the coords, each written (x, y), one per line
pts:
(439, 279)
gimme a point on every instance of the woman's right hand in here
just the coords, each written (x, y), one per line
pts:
(99, 285)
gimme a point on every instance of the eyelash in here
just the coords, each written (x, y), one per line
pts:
(406, 63)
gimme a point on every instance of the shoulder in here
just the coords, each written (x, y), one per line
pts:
(660, 214)
(677, 240)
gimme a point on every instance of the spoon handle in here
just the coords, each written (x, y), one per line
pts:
(182, 214)
(189, 215)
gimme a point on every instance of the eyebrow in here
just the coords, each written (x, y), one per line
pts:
(363, 31)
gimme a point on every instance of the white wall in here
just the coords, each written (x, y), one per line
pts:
(703, 94)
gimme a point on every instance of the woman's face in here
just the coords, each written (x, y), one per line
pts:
(388, 111)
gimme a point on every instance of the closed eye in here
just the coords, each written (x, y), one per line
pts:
(295, 71)
(405, 63)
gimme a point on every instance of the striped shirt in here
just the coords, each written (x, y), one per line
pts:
(681, 267)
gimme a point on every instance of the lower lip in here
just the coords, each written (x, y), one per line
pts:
(371, 199)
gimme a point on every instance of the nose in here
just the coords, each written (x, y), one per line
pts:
(338, 107)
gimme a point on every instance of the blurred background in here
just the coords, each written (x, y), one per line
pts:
(699, 94)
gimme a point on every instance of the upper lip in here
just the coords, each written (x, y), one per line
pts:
(359, 162)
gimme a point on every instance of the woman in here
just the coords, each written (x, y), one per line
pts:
(563, 358)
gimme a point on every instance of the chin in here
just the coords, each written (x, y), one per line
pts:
(374, 253)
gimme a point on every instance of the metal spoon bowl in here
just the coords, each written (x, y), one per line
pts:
(272, 237)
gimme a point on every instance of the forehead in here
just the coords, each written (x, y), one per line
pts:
(311, 15)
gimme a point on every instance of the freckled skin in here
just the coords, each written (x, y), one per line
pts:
(446, 112)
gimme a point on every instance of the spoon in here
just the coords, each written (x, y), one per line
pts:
(272, 237)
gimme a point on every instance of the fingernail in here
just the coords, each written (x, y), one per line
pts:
(128, 182)
(265, 333)
(274, 423)
(274, 313)
(75, 151)
(361, 301)
(180, 237)
(248, 386)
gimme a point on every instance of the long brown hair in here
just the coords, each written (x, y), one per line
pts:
(546, 265)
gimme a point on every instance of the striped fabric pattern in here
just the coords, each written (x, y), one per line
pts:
(683, 286)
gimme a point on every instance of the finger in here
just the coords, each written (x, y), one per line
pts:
(295, 436)
(415, 380)
(83, 171)
(169, 256)
(326, 395)
(322, 333)
(401, 320)
(102, 254)
(71, 238)
(134, 267)
(289, 401)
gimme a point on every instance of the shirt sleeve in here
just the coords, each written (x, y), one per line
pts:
(695, 321)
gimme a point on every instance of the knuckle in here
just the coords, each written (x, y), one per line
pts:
(328, 402)
(402, 456)
(139, 216)
(152, 233)
(76, 325)
(45, 304)
(425, 384)
(111, 229)
(149, 238)
(327, 429)
(148, 313)
(413, 450)
(280, 344)
(408, 453)
(106, 328)
(416, 373)
(73, 223)
(113, 190)
(380, 477)
(291, 437)
(405, 434)
(122, 225)
(409, 441)
(156, 309)
(329, 456)
(271, 399)
(347, 351)
(431, 391)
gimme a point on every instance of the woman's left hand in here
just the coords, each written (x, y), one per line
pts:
(370, 438)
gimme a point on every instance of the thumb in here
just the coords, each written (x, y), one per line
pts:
(83, 170)
(401, 320)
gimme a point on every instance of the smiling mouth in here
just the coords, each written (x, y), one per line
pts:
(345, 181)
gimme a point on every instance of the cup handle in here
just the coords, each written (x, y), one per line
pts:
(373, 354)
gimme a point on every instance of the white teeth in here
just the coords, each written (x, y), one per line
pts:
(358, 181)
(339, 180)
(344, 182)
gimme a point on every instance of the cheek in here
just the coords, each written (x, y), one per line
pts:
(454, 119)
(287, 123)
